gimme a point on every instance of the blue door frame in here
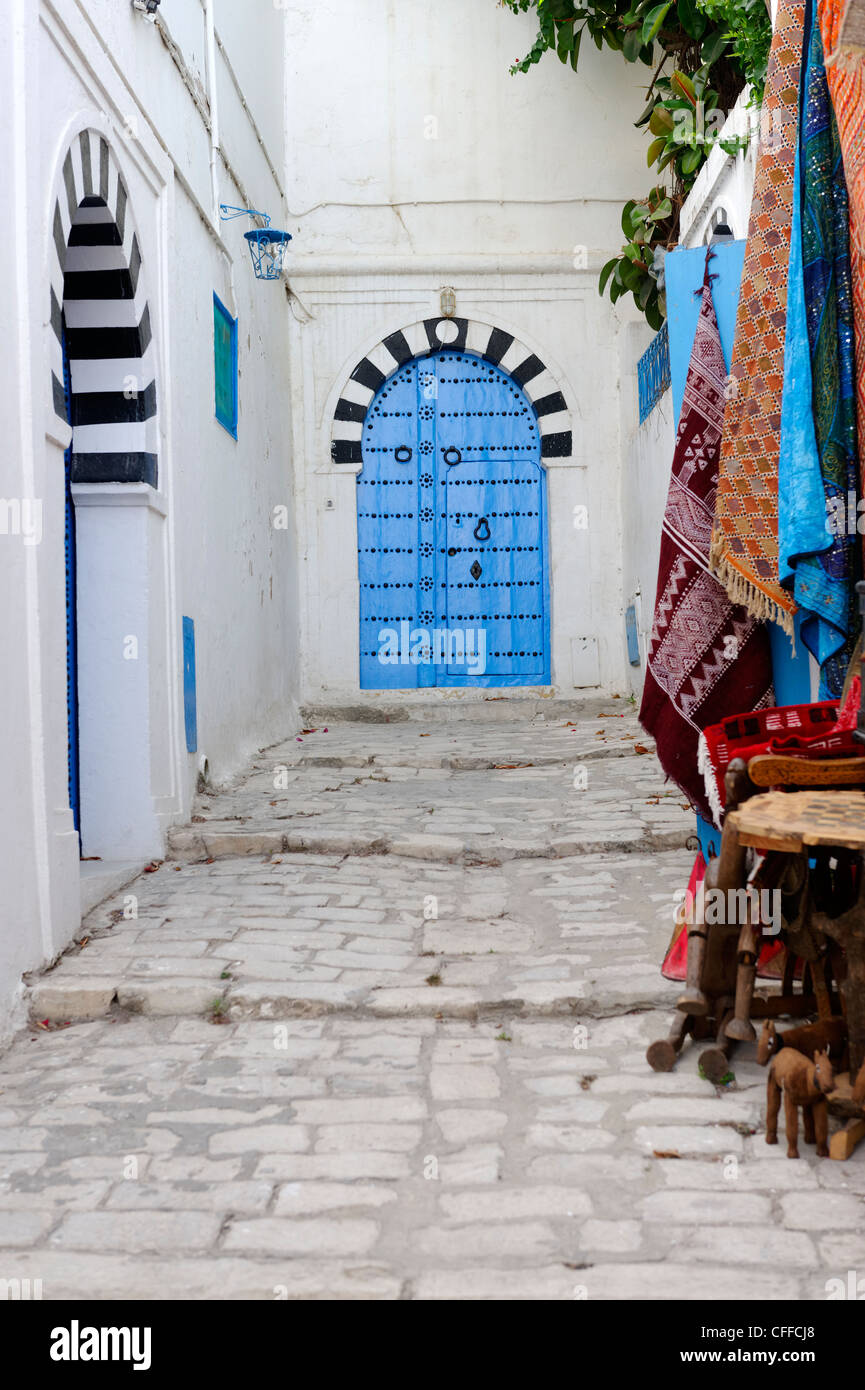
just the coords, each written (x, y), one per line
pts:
(71, 617)
(452, 531)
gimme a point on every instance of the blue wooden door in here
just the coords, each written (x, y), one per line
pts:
(71, 600)
(452, 554)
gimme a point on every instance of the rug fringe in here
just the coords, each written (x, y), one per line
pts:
(745, 592)
(704, 766)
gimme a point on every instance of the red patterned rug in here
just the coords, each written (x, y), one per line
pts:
(708, 657)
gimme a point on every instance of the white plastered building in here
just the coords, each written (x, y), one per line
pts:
(436, 205)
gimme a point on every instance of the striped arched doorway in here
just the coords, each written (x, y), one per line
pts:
(103, 385)
(452, 530)
(449, 425)
(97, 287)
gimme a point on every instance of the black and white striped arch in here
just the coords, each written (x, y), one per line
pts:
(96, 289)
(461, 335)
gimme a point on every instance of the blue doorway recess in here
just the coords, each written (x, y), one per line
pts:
(452, 530)
(71, 599)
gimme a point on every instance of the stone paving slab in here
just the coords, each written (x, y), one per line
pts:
(402, 1158)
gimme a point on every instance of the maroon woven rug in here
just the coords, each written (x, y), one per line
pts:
(708, 658)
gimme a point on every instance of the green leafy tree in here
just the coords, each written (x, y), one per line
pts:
(701, 53)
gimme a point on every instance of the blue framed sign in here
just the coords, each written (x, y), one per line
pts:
(225, 366)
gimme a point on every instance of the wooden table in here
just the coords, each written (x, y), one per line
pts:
(792, 821)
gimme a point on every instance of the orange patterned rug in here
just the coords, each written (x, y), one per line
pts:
(845, 73)
(744, 553)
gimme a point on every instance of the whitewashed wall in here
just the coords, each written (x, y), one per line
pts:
(207, 547)
(390, 139)
(724, 185)
(415, 162)
(645, 480)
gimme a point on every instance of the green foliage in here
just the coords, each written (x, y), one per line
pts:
(645, 224)
(701, 53)
(748, 25)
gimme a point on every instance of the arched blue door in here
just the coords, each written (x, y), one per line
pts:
(452, 532)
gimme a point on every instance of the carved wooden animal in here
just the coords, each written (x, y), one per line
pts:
(828, 1035)
(803, 1084)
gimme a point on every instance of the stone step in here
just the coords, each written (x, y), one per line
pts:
(221, 840)
(296, 935)
(468, 706)
(82, 999)
(466, 762)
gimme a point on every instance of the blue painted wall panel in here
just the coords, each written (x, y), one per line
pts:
(190, 711)
(683, 271)
(791, 674)
(225, 366)
(632, 635)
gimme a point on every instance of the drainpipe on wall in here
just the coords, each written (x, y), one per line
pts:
(641, 636)
(210, 34)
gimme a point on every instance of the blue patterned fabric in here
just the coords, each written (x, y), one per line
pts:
(801, 500)
(824, 579)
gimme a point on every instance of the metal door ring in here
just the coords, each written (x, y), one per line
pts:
(402, 454)
(480, 535)
(451, 461)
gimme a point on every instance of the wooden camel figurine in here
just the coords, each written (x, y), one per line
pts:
(829, 1035)
(804, 1084)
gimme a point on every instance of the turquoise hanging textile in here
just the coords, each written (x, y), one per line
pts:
(802, 526)
(824, 578)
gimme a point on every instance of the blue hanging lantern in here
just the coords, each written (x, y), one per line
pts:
(266, 244)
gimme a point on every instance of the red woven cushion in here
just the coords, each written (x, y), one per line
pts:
(808, 731)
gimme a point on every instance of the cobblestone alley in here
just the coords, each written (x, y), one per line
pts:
(377, 1029)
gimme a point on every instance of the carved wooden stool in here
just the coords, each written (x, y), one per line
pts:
(718, 1000)
(797, 822)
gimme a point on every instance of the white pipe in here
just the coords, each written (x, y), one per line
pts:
(638, 620)
(211, 97)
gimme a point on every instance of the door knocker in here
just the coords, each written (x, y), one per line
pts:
(451, 461)
(482, 530)
(402, 454)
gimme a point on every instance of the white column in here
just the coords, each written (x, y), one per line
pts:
(114, 525)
